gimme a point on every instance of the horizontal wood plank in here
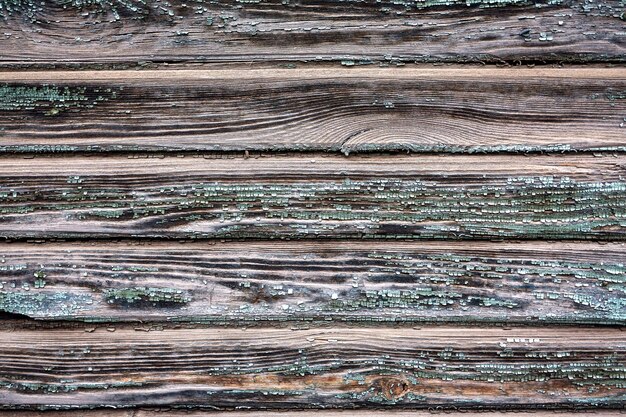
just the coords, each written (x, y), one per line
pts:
(316, 196)
(316, 368)
(160, 412)
(134, 32)
(254, 282)
(350, 110)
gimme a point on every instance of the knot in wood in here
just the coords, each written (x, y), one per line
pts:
(393, 388)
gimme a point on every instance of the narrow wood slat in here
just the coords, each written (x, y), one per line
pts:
(317, 196)
(350, 110)
(317, 368)
(251, 282)
(59, 33)
(156, 412)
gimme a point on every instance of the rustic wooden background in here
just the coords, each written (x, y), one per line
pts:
(238, 207)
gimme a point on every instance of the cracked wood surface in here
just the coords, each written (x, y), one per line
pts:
(252, 282)
(339, 110)
(105, 34)
(190, 241)
(317, 196)
(313, 368)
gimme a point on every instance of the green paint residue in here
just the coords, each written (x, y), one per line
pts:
(51, 100)
(604, 281)
(422, 298)
(536, 203)
(44, 304)
(143, 295)
(139, 9)
(36, 11)
(520, 207)
(58, 388)
(616, 95)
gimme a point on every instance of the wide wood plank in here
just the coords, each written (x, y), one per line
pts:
(350, 110)
(316, 368)
(58, 33)
(252, 282)
(316, 196)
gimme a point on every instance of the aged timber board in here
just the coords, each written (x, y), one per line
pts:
(216, 251)
(169, 412)
(347, 111)
(306, 282)
(291, 197)
(138, 32)
(315, 368)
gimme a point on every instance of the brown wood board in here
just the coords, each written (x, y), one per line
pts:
(315, 368)
(247, 283)
(338, 110)
(137, 32)
(295, 197)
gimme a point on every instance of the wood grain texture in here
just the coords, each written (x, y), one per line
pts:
(156, 412)
(69, 33)
(289, 197)
(256, 282)
(317, 368)
(349, 110)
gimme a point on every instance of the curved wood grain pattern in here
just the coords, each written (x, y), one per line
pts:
(350, 110)
(253, 282)
(397, 197)
(71, 33)
(318, 368)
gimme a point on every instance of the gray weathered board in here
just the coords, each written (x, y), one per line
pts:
(239, 208)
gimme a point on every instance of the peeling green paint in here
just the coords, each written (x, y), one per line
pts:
(141, 296)
(116, 10)
(140, 9)
(517, 207)
(50, 304)
(51, 100)
(65, 387)
(35, 10)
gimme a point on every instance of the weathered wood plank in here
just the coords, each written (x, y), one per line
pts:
(291, 197)
(349, 110)
(159, 412)
(129, 32)
(317, 368)
(253, 282)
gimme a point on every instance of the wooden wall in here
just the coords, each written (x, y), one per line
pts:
(312, 208)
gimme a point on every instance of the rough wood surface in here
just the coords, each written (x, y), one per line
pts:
(349, 110)
(254, 282)
(316, 368)
(69, 33)
(190, 241)
(318, 196)
(156, 412)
